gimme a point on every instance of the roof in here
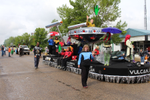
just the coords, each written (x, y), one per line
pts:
(136, 32)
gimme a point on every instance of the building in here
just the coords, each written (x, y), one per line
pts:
(141, 39)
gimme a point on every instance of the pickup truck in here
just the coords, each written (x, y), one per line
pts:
(26, 50)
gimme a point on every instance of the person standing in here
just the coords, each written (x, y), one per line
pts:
(142, 57)
(4, 53)
(9, 50)
(84, 62)
(21, 51)
(51, 44)
(12, 50)
(56, 45)
(2, 49)
(37, 55)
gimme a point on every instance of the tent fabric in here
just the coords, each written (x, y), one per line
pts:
(136, 32)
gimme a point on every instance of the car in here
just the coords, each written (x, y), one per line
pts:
(26, 50)
(118, 55)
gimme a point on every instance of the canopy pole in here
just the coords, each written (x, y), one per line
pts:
(60, 33)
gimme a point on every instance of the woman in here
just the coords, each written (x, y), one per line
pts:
(51, 44)
(84, 61)
(60, 56)
(67, 57)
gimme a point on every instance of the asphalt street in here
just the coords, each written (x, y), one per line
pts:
(20, 81)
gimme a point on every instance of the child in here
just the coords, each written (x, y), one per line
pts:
(146, 59)
(97, 50)
(142, 57)
(9, 50)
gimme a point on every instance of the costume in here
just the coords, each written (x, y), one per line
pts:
(107, 48)
(84, 61)
(67, 56)
(51, 45)
(129, 46)
(89, 24)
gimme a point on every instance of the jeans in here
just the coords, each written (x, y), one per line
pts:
(8, 54)
(142, 59)
(36, 61)
(2, 52)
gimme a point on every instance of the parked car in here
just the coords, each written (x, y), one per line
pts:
(26, 50)
(118, 55)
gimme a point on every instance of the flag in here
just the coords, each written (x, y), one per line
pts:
(59, 48)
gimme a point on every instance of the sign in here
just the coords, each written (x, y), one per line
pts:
(96, 9)
(139, 71)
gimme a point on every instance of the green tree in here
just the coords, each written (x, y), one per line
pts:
(10, 41)
(109, 12)
(18, 41)
(40, 35)
(71, 16)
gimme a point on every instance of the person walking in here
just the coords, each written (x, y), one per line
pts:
(9, 50)
(4, 53)
(84, 62)
(51, 44)
(37, 55)
(2, 49)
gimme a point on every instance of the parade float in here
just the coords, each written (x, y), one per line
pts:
(118, 71)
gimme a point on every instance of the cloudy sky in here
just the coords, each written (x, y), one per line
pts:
(20, 16)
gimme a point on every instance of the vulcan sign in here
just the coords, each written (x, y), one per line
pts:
(139, 71)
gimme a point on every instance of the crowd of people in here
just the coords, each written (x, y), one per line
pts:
(9, 49)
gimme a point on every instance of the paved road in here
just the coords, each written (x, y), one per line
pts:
(20, 81)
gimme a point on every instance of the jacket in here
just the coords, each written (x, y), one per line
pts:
(37, 51)
(97, 52)
(51, 42)
(141, 54)
(68, 54)
(9, 50)
(62, 53)
(86, 55)
(56, 42)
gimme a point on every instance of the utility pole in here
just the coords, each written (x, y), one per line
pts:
(145, 16)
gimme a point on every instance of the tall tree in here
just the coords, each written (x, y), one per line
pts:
(109, 12)
(71, 16)
(40, 35)
(10, 41)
